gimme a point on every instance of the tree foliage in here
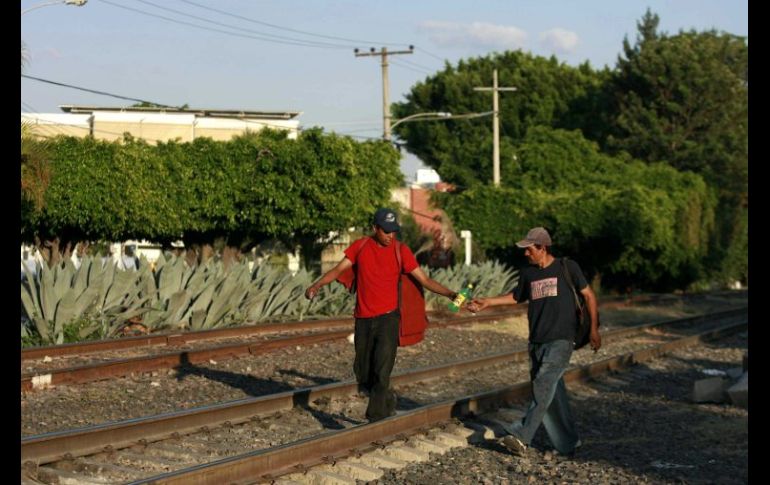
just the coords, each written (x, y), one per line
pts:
(627, 223)
(679, 100)
(255, 187)
(683, 99)
(549, 93)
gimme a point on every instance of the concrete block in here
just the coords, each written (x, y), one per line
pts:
(359, 471)
(711, 389)
(323, 477)
(429, 445)
(452, 440)
(407, 453)
(292, 480)
(462, 431)
(53, 475)
(739, 392)
(379, 459)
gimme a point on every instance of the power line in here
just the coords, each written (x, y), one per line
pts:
(359, 130)
(417, 65)
(44, 128)
(97, 92)
(404, 66)
(432, 55)
(383, 53)
(230, 26)
(359, 122)
(29, 107)
(49, 123)
(358, 41)
(234, 34)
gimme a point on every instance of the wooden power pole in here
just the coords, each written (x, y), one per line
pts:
(495, 126)
(385, 86)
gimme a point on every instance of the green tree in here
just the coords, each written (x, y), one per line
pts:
(630, 225)
(549, 93)
(683, 99)
(234, 194)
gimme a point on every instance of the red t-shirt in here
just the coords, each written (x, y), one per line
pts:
(377, 275)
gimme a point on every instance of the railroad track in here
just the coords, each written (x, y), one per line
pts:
(249, 340)
(186, 441)
(180, 338)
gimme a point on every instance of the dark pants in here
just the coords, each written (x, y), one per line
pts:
(376, 343)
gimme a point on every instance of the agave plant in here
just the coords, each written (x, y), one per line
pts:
(276, 294)
(490, 278)
(197, 298)
(53, 297)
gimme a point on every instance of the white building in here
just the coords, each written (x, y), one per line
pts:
(157, 124)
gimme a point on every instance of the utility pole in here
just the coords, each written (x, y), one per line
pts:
(385, 86)
(495, 126)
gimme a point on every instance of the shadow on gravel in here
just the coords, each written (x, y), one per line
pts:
(651, 428)
(256, 387)
(315, 379)
(253, 386)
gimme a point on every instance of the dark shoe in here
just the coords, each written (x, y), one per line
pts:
(392, 401)
(570, 454)
(514, 445)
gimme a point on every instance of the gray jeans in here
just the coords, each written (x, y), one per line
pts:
(550, 404)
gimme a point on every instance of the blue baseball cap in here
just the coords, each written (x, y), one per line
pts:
(387, 220)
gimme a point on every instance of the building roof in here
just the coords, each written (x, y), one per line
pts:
(218, 113)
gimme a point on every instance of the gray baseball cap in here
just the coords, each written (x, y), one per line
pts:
(537, 235)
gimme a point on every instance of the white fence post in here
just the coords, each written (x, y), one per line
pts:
(467, 236)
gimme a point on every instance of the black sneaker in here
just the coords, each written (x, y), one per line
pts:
(514, 445)
(571, 454)
(392, 400)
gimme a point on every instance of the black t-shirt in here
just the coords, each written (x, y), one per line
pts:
(551, 309)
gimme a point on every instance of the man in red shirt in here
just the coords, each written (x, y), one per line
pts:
(376, 313)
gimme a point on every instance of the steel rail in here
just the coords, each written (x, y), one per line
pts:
(177, 338)
(85, 373)
(181, 338)
(117, 368)
(302, 454)
(56, 445)
(121, 367)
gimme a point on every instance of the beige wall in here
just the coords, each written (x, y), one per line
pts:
(111, 126)
(110, 131)
(48, 130)
(403, 196)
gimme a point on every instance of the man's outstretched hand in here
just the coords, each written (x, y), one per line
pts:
(311, 292)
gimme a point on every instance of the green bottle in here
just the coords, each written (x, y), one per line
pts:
(462, 297)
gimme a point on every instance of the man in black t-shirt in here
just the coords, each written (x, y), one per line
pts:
(552, 323)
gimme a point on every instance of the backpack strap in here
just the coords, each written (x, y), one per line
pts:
(400, 269)
(570, 283)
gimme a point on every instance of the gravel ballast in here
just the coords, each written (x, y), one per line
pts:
(637, 426)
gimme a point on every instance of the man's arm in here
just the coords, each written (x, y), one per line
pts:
(593, 310)
(330, 276)
(478, 304)
(432, 284)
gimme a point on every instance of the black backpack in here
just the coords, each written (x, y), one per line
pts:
(583, 328)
